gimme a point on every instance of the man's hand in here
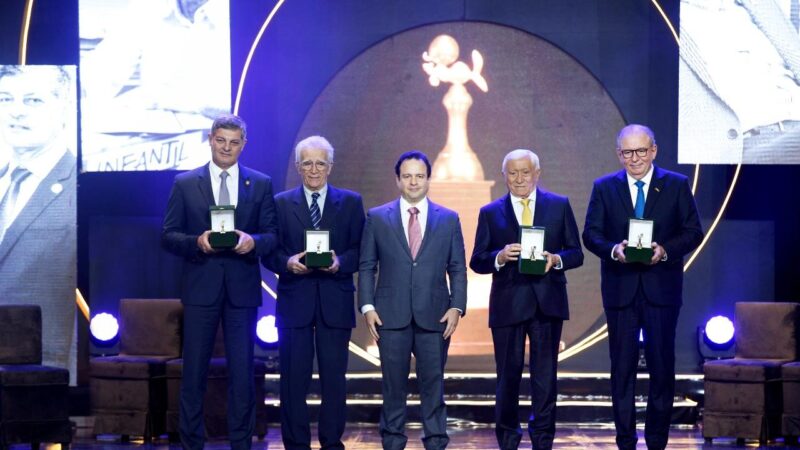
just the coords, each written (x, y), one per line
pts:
(335, 266)
(246, 243)
(373, 321)
(451, 317)
(293, 265)
(658, 253)
(619, 251)
(509, 253)
(203, 244)
(552, 260)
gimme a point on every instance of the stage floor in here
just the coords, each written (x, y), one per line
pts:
(462, 437)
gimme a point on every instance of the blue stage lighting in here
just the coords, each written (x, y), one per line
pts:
(104, 327)
(266, 330)
(719, 330)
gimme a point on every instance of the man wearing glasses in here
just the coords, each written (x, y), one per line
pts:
(315, 304)
(641, 296)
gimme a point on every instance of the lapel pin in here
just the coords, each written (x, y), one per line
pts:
(56, 188)
(247, 182)
(658, 190)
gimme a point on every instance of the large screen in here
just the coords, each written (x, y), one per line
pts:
(154, 74)
(38, 140)
(739, 82)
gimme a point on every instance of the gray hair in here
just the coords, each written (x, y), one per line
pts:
(519, 154)
(229, 122)
(635, 128)
(313, 143)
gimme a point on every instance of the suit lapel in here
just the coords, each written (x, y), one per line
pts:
(300, 208)
(654, 191)
(330, 209)
(204, 185)
(244, 193)
(51, 187)
(395, 220)
(540, 209)
(431, 222)
(624, 192)
(508, 213)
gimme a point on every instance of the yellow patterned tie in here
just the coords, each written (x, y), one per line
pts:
(527, 214)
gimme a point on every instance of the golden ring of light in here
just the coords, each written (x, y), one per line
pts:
(593, 338)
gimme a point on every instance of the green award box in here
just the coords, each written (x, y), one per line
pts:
(531, 259)
(318, 249)
(640, 239)
(222, 225)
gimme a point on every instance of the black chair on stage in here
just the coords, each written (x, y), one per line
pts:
(34, 403)
(215, 403)
(743, 395)
(791, 401)
(129, 391)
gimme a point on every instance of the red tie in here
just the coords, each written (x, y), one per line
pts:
(414, 232)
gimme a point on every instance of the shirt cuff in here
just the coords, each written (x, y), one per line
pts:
(560, 265)
(613, 249)
(497, 265)
(367, 308)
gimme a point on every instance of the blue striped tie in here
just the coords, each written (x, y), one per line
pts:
(316, 216)
(639, 208)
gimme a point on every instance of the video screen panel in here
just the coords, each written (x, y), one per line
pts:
(38, 141)
(739, 82)
(154, 74)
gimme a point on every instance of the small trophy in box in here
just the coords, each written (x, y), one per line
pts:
(318, 249)
(640, 238)
(531, 259)
(222, 225)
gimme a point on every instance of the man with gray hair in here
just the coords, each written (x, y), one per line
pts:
(315, 304)
(526, 305)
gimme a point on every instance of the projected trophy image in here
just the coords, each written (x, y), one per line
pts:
(457, 178)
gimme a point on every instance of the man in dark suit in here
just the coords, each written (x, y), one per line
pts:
(415, 244)
(315, 306)
(220, 284)
(523, 305)
(37, 200)
(642, 296)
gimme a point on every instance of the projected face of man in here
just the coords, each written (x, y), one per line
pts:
(521, 175)
(32, 110)
(226, 146)
(413, 180)
(633, 140)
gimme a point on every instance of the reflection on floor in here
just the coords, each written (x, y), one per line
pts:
(463, 436)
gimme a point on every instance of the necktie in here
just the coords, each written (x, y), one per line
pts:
(9, 201)
(639, 208)
(224, 195)
(527, 214)
(316, 216)
(414, 232)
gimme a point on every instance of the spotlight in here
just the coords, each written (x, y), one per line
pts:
(104, 328)
(715, 340)
(266, 331)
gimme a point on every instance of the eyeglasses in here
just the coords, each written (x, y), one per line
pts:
(640, 152)
(308, 165)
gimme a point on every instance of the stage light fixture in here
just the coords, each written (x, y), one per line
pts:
(715, 340)
(104, 327)
(266, 331)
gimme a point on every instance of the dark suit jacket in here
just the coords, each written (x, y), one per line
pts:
(514, 296)
(187, 217)
(677, 228)
(39, 250)
(343, 216)
(408, 288)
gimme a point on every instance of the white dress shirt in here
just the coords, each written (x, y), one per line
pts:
(422, 216)
(232, 182)
(635, 190)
